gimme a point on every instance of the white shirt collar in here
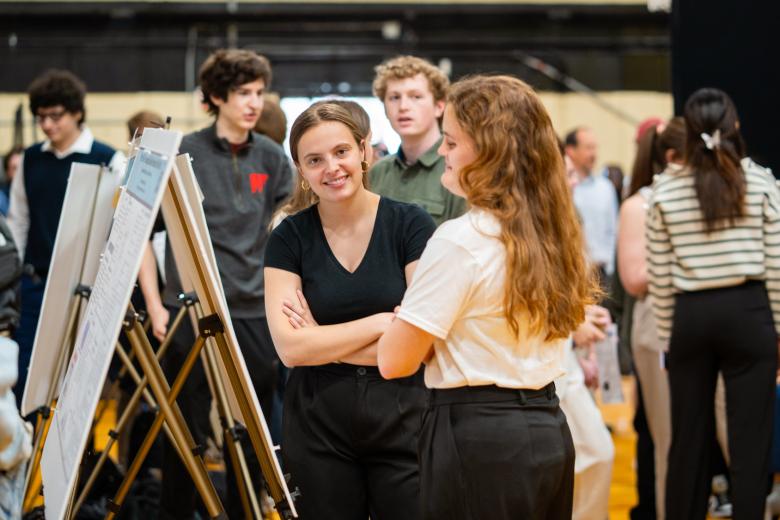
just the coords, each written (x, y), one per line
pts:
(82, 145)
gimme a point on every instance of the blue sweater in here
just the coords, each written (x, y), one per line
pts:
(45, 182)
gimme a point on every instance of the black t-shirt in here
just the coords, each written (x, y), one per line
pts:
(378, 284)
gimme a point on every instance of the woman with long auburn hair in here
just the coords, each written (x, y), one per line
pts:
(713, 247)
(495, 296)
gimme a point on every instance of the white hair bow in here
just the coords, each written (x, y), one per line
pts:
(711, 141)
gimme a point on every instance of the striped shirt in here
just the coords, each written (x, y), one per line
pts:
(683, 257)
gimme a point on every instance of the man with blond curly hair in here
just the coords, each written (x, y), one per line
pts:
(414, 92)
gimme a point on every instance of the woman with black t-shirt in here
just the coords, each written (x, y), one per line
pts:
(349, 437)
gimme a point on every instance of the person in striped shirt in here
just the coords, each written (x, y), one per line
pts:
(713, 244)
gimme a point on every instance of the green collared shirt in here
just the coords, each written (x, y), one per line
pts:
(418, 183)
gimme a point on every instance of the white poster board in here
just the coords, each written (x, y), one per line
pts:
(182, 206)
(98, 332)
(81, 235)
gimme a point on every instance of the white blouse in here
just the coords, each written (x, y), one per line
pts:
(457, 295)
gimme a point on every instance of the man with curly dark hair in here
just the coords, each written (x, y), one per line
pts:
(38, 190)
(244, 176)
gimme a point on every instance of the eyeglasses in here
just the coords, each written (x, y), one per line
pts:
(54, 116)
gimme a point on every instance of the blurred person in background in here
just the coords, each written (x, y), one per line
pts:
(713, 245)
(15, 433)
(596, 201)
(11, 161)
(130, 438)
(144, 119)
(659, 147)
(38, 190)
(593, 446)
(413, 92)
(615, 175)
(273, 121)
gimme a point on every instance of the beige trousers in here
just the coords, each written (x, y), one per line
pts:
(593, 447)
(655, 396)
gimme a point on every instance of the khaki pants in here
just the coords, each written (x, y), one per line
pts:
(647, 350)
(593, 448)
(655, 395)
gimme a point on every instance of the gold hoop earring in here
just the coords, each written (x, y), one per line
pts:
(304, 185)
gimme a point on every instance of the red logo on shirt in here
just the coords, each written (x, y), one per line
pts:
(257, 182)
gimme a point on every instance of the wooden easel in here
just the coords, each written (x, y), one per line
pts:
(170, 415)
(195, 261)
(74, 263)
(116, 272)
(140, 392)
(232, 386)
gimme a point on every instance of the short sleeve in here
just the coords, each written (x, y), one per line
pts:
(418, 228)
(441, 287)
(283, 250)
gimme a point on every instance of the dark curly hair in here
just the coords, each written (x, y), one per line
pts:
(228, 69)
(58, 87)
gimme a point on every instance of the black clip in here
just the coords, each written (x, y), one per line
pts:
(198, 450)
(210, 325)
(85, 291)
(142, 316)
(130, 319)
(238, 431)
(188, 299)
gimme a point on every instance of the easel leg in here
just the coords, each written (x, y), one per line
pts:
(163, 347)
(33, 482)
(127, 414)
(167, 398)
(263, 450)
(233, 444)
(175, 421)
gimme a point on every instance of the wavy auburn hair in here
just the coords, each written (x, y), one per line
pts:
(519, 177)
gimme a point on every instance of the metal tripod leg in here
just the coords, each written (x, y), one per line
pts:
(33, 483)
(169, 413)
(162, 348)
(233, 442)
(127, 414)
(264, 451)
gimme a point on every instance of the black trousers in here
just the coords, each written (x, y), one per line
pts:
(645, 463)
(498, 453)
(730, 330)
(179, 498)
(349, 442)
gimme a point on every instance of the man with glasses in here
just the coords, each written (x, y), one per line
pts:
(38, 191)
